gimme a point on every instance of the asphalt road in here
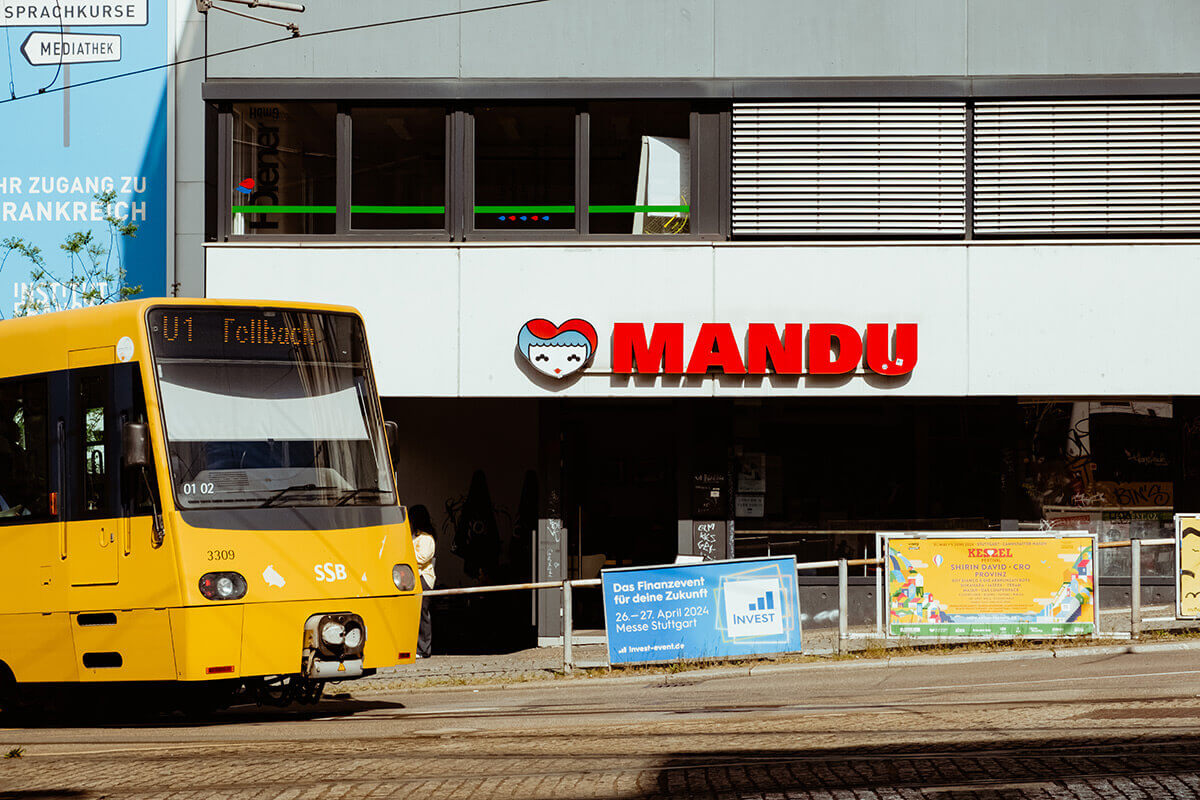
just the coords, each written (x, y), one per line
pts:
(1084, 726)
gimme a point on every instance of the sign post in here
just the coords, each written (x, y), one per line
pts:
(716, 609)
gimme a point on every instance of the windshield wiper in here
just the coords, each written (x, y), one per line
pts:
(353, 493)
(309, 487)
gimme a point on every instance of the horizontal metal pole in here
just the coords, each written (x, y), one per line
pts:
(504, 587)
(1145, 543)
(586, 582)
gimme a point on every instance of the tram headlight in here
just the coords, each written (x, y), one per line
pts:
(333, 633)
(354, 638)
(223, 586)
(403, 577)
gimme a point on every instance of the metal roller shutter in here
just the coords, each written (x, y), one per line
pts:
(849, 168)
(1082, 167)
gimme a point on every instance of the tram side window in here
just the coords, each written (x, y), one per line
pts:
(24, 453)
(93, 393)
(139, 486)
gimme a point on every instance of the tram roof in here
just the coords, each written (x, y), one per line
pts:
(41, 342)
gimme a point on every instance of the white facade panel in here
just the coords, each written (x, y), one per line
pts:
(1083, 320)
(993, 319)
(853, 286)
(505, 287)
(408, 298)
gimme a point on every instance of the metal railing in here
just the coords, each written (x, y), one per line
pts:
(567, 587)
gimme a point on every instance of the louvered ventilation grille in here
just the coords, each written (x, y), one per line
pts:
(849, 168)
(1087, 167)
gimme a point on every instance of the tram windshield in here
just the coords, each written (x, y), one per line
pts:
(269, 407)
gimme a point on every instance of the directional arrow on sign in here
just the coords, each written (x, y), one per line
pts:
(48, 48)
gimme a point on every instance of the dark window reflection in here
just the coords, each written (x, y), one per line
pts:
(640, 168)
(398, 158)
(525, 168)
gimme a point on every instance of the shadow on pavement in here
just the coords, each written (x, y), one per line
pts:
(1150, 766)
(235, 715)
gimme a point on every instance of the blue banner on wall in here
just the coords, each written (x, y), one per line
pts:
(716, 609)
(93, 129)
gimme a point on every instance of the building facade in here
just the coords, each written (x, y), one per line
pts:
(703, 277)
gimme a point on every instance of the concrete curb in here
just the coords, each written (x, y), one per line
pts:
(692, 676)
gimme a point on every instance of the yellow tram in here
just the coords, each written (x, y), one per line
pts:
(197, 495)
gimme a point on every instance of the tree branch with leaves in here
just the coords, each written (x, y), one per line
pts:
(94, 272)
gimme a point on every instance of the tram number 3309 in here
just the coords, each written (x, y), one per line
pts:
(330, 571)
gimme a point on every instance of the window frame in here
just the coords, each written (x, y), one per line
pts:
(470, 232)
(49, 454)
(709, 138)
(345, 177)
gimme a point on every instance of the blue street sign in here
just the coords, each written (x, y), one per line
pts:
(90, 132)
(715, 609)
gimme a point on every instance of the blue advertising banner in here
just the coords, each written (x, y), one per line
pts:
(715, 609)
(80, 126)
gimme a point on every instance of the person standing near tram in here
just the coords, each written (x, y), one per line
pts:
(425, 547)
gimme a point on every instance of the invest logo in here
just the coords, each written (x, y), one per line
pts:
(557, 350)
(754, 607)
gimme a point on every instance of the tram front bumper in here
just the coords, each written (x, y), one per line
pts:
(262, 639)
(333, 646)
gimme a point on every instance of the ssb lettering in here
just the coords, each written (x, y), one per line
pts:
(329, 572)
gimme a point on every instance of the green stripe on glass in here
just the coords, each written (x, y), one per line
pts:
(639, 209)
(398, 209)
(524, 209)
(285, 209)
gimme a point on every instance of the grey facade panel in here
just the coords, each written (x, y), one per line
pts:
(592, 39)
(189, 207)
(905, 88)
(1068, 37)
(189, 116)
(424, 49)
(189, 265)
(715, 39)
(817, 38)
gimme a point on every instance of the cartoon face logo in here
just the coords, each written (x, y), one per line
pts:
(557, 350)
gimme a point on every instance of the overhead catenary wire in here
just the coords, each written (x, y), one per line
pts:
(12, 88)
(61, 37)
(327, 32)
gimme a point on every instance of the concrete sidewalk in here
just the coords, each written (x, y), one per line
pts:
(544, 662)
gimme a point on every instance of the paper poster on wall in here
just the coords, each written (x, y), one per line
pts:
(752, 473)
(993, 586)
(1187, 560)
(80, 127)
(749, 505)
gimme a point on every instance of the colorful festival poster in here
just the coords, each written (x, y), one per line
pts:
(991, 586)
(1187, 560)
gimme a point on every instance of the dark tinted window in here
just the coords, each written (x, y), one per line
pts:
(640, 168)
(398, 178)
(24, 455)
(525, 167)
(284, 168)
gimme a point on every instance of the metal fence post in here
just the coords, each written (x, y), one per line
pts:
(843, 605)
(568, 626)
(1135, 588)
